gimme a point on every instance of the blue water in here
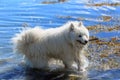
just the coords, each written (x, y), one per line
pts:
(15, 13)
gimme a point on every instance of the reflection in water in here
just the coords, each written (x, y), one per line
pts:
(26, 73)
(21, 72)
(54, 75)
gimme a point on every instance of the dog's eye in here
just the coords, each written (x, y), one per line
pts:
(80, 36)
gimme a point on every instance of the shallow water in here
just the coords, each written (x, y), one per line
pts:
(102, 18)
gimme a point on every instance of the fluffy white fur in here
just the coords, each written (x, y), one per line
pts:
(64, 43)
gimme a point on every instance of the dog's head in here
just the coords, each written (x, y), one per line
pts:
(78, 33)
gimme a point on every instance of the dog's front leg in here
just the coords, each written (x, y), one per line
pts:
(82, 63)
(78, 62)
(68, 64)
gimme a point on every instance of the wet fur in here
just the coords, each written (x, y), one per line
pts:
(40, 45)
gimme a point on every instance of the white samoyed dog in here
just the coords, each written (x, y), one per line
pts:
(65, 43)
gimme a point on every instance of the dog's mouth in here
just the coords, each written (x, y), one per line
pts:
(81, 42)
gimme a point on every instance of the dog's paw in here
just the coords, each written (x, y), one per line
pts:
(81, 69)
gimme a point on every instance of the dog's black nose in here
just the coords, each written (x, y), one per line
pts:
(86, 42)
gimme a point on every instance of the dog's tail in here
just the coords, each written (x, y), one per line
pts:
(23, 40)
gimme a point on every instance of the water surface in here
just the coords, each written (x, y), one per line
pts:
(102, 18)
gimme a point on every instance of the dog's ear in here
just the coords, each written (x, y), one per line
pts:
(80, 24)
(71, 27)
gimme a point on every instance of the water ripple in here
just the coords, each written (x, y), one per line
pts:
(14, 13)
